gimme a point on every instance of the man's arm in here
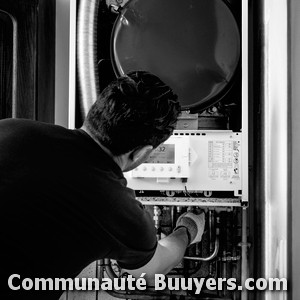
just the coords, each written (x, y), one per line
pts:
(169, 252)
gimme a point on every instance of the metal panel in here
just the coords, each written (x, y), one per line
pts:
(294, 237)
(271, 138)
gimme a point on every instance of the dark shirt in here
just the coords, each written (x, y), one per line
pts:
(65, 204)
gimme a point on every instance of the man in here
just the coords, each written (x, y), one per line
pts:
(64, 200)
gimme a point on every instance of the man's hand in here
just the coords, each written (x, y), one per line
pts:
(170, 250)
(194, 225)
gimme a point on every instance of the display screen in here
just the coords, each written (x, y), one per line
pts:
(163, 154)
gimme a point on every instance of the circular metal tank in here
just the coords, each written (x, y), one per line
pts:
(192, 45)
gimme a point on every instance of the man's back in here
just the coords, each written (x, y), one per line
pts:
(62, 203)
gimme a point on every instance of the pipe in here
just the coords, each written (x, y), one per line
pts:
(88, 79)
(173, 216)
(223, 270)
(244, 253)
(145, 295)
(211, 228)
(155, 296)
(108, 268)
(157, 220)
(216, 243)
(212, 256)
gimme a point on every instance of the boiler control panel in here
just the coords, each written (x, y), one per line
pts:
(169, 160)
(193, 161)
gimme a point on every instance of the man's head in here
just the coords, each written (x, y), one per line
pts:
(134, 115)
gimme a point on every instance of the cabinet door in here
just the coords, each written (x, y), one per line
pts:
(27, 59)
(6, 65)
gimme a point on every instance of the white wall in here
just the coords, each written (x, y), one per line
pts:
(295, 115)
(65, 63)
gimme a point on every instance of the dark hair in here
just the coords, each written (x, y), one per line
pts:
(133, 111)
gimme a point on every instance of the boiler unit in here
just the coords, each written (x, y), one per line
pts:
(228, 157)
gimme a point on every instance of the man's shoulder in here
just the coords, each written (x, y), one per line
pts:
(23, 125)
(21, 135)
(14, 123)
(20, 121)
